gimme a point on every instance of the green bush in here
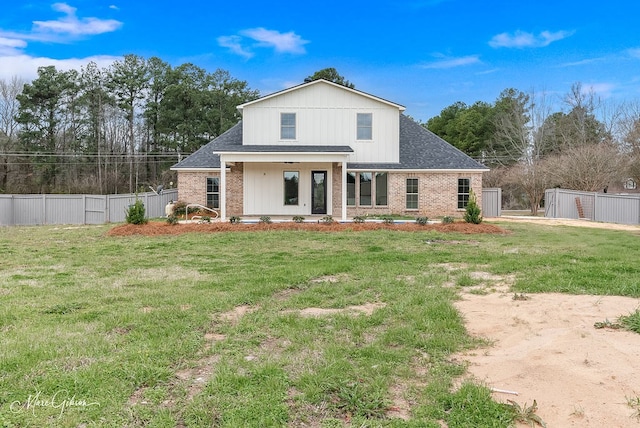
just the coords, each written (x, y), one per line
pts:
(327, 219)
(179, 208)
(447, 219)
(172, 219)
(298, 218)
(359, 219)
(472, 212)
(136, 213)
(265, 219)
(422, 220)
(234, 219)
(387, 220)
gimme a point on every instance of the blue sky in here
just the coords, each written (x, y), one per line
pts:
(423, 54)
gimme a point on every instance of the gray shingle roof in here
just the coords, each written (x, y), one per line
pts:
(419, 149)
(422, 149)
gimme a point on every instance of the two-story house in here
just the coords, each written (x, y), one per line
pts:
(322, 148)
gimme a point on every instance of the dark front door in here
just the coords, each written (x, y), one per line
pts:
(318, 192)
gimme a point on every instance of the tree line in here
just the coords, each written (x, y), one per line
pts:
(110, 130)
(532, 142)
(119, 129)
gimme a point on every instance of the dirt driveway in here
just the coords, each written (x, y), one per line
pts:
(547, 348)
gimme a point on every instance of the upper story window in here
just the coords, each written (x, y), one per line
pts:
(287, 126)
(365, 126)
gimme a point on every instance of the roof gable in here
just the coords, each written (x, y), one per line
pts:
(321, 82)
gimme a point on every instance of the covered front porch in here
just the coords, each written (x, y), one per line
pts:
(288, 180)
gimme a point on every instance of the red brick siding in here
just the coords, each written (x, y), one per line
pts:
(437, 192)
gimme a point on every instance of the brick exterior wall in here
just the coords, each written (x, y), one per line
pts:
(437, 195)
(437, 192)
(192, 188)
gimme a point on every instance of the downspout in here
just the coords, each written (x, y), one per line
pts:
(223, 189)
(344, 191)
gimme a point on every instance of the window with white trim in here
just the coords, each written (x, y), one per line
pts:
(381, 188)
(351, 188)
(365, 189)
(213, 192)
(291, 181)
(365, 126)
(287, 126)
(412, 194)
(464, 185)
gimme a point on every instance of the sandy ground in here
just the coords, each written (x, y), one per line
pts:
(547, 348)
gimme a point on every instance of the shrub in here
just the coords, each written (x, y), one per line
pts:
(358, 219)
(387, 220)
(234, 219)
(205, 219)
(327, 219)
(172, 219)
(265, 219)
(472, 212)
(179, 208)
(135, 213)
(298, 218)
(422, 220)
(447, 219)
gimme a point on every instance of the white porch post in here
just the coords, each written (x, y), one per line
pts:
(344, 191)
(223, 189)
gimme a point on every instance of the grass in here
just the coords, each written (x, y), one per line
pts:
(206, 330)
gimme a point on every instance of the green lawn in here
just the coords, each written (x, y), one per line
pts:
(205, 330)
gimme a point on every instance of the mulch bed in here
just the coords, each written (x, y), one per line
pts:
(162, 228)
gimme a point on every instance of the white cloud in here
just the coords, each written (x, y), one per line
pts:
(234, 44)
(281, 42)
(604, 90)
(453, 62)
(66, 28)
(634, 53)
(14, 61)
(71, 25)
(11, 46)
(522, 39)
(26, 66)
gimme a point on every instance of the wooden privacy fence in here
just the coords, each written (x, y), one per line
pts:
(29, 210)
(605, 207)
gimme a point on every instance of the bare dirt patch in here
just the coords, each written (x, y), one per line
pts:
(366, 309)
(546, 348)
(568, 222)
(155, 228)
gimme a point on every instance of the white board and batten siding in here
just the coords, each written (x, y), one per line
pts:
(326, 115)
(264, 188)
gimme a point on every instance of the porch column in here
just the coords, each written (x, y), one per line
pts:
(344, 191)
(223, 189)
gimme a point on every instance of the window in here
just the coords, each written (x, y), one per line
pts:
(213, 192)
(287, 126)
(291, 180)
(365, 188)
(381, 188)
(365, 126)
(412, 193)
(463, 192)
(351, 188)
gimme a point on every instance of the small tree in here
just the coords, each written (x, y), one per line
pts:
(136, 213)
(472, 213)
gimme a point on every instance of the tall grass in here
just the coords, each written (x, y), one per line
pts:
(138, 331)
